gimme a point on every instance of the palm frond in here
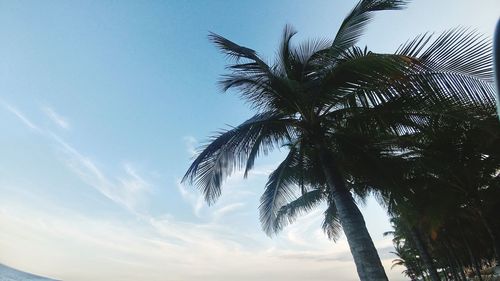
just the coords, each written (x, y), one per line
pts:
(331, 224)
(372, 79)
(309, 50)
(278, 191)
(295, 61)
(387, 233)
(398, 262)
(288, 213)
(354, 24)
(235, 51)
(459, 50)
(256, 82)
(441, 87)
(264, 92)
(235, 149)
(363, 71)
(285, 53)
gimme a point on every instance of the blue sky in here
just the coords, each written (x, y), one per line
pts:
(102, 104)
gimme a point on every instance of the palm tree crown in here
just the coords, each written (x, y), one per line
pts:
(328, 102)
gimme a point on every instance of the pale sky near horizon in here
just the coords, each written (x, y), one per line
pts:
(102, 104)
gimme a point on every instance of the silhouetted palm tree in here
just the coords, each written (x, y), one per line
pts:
(447, 189)
(407, 257)
(321, 100)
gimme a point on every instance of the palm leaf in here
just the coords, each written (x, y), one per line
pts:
(257, 83)
(236, 148)
(288, 213)
(370, 80)
(354, 24)
(236, 51)
(286, 56)
(295, 63)
(278, 191)
(458, 50)
(331, 224)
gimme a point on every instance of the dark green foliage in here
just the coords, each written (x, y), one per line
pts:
(450, 190)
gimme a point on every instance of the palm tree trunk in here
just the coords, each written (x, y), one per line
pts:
(426, 258)
(363, 250)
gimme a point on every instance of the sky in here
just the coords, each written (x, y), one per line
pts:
(104, 103)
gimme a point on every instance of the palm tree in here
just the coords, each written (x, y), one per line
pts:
(319, 99)
(407, 257)
(447, 184)
(404, 250)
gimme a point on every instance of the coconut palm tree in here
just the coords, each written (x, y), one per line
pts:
(460, 157)
(320, 99)
(447, 183)
(408, 258)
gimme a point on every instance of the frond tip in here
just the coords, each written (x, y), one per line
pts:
(232, 49)
(354, 24)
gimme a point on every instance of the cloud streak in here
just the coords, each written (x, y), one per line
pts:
(191, 144)
(20, 116)
(127, 190)
(55, 117)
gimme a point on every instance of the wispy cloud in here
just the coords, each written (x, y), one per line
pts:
(191, 145)
(126, 190)
(233, 198)
(230, 208)
(153, 248)
(20, 116)
(56, 117)
(193, 197)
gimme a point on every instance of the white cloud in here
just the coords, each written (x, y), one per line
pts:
(133, 182)
(191, 145)
(193, 197)
(56, 117)
(230, 208)
(21, 116)
(233, 196)
(127, 190)
(158, 249)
